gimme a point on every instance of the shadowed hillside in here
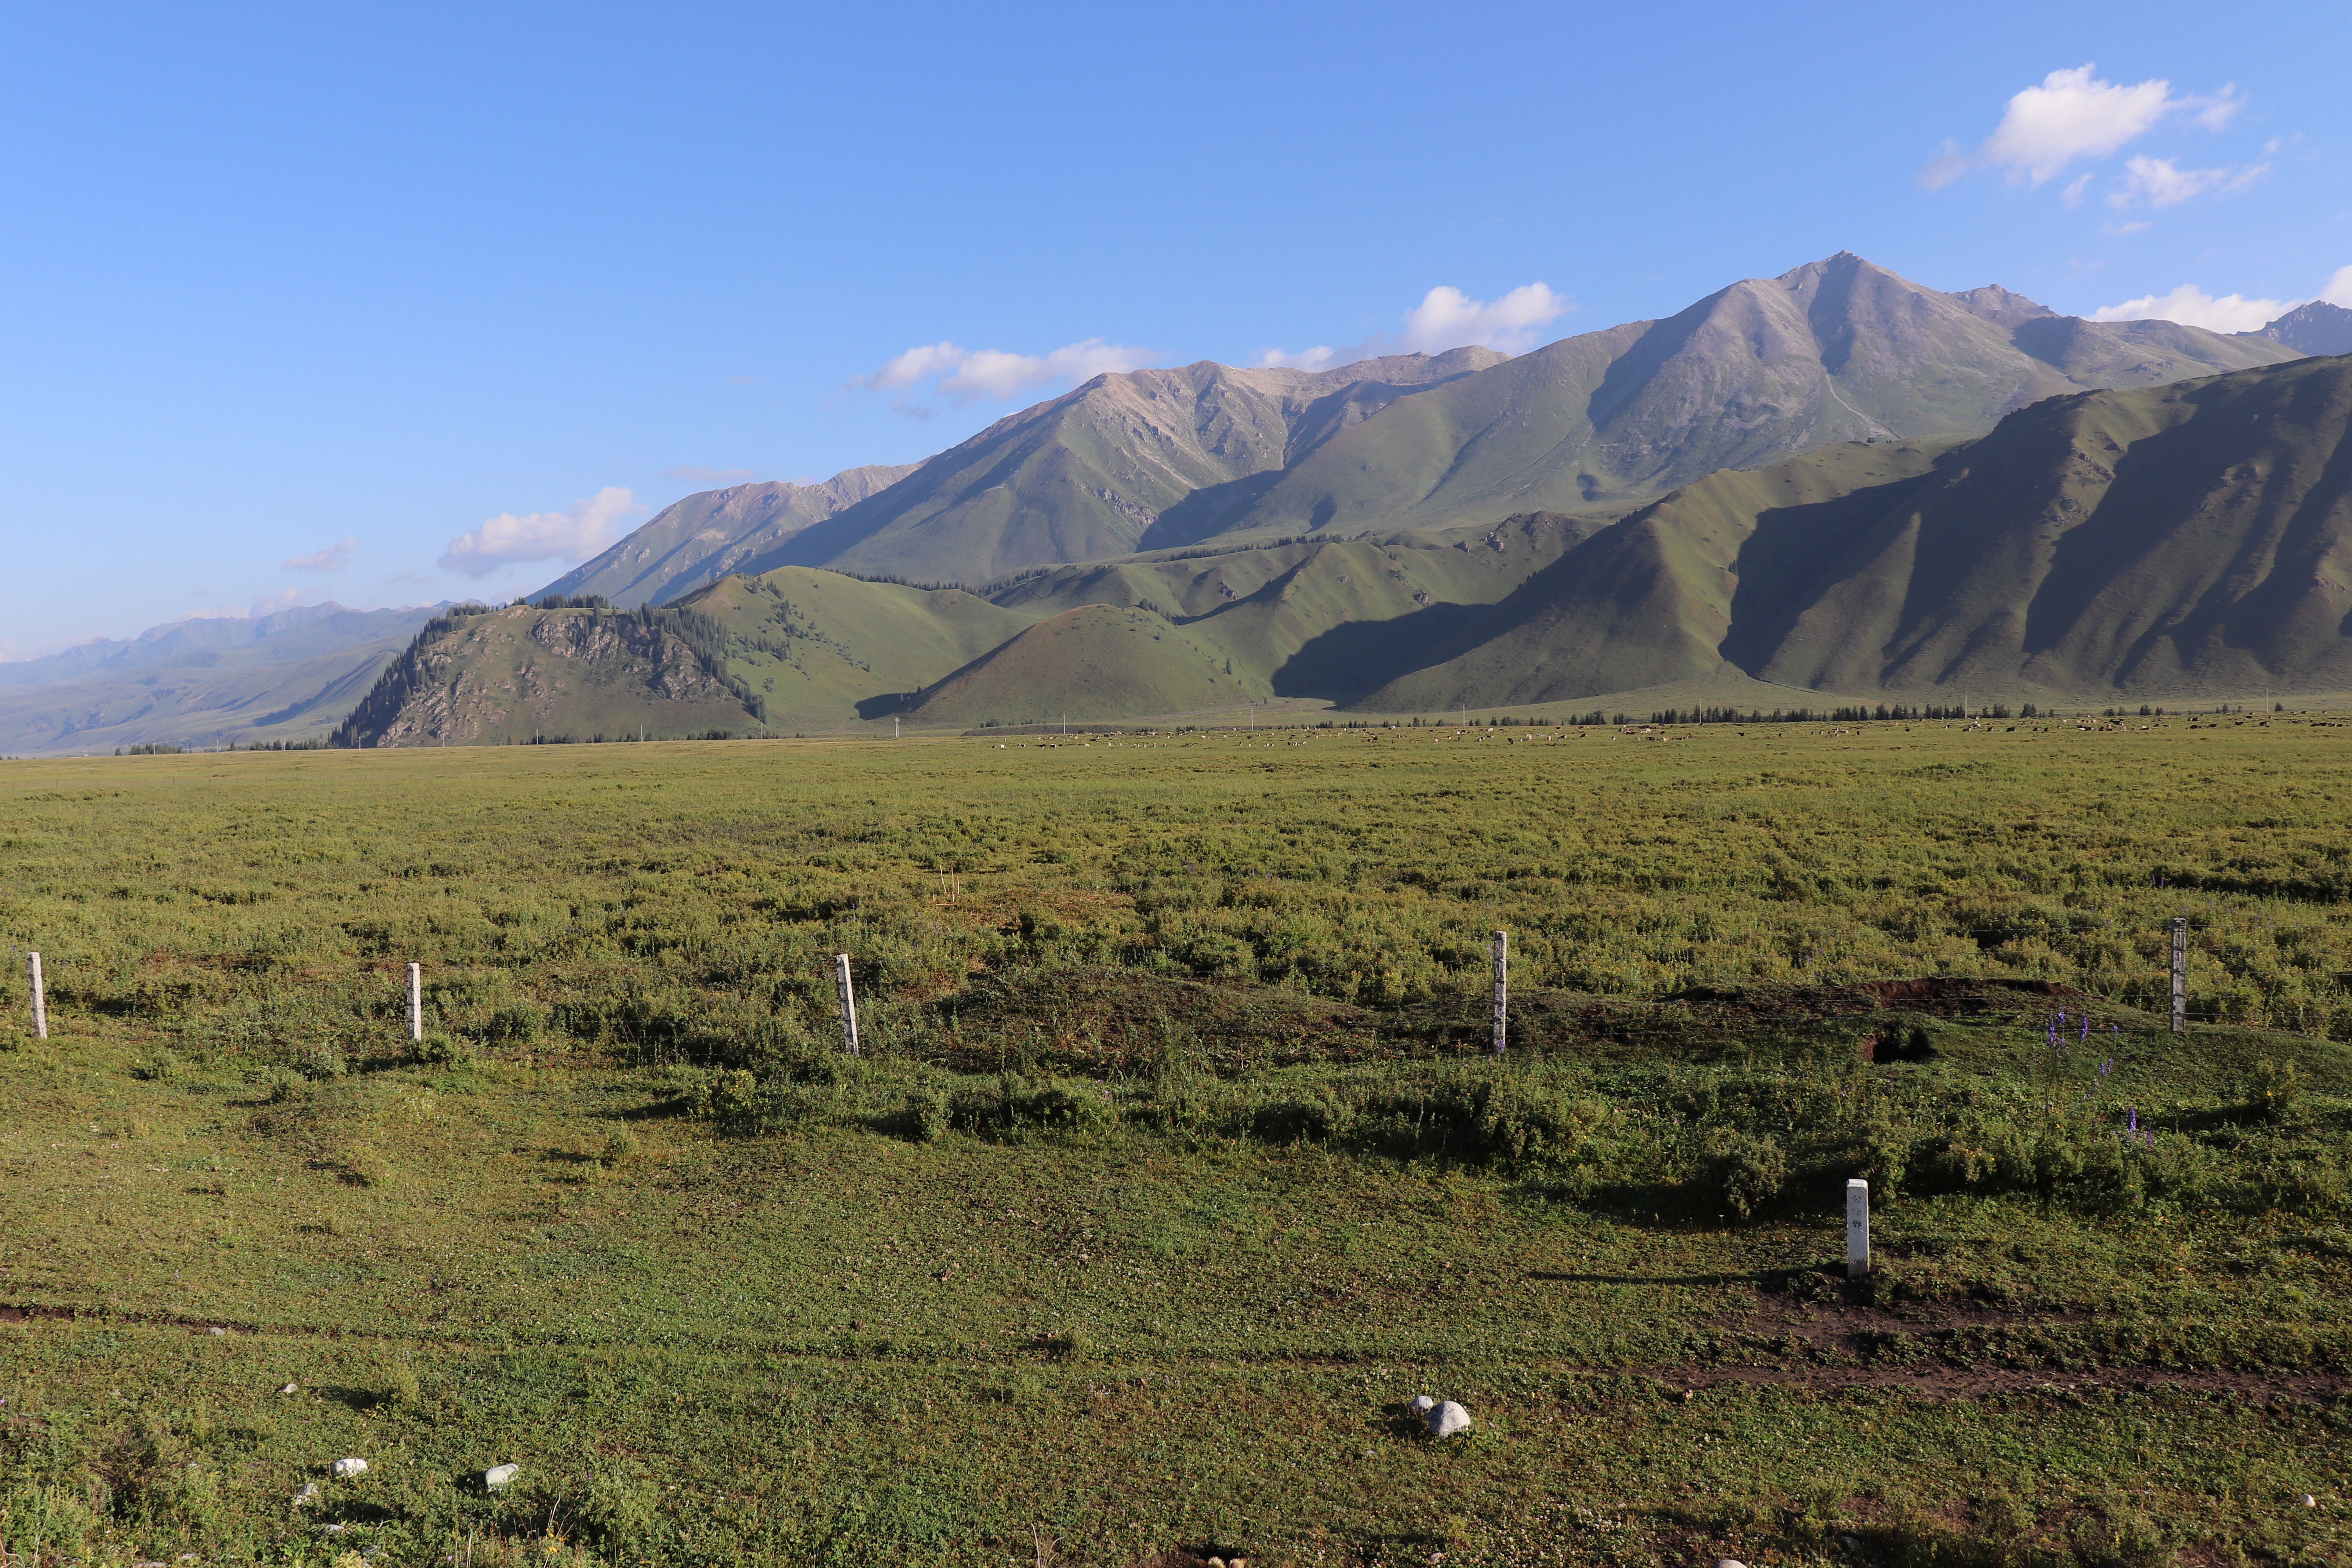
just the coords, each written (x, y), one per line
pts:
(2182, 539)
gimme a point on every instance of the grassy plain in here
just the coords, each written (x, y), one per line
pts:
(1173, 1167)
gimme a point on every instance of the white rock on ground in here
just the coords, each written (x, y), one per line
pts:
(308, 1495)
(1729, 1562)
(350, 1467)
(1421, 1405)
(1447, 1420)
(498, 1476)
(287, 1389)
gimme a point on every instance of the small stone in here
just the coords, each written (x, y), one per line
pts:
(287, 1389)
(1448, 1420)
(2309, 1500)
(217, 1330)
(308, 1495)
(498, 1476)
(350, 1467)
(1421, 1405)
(1729, 1562)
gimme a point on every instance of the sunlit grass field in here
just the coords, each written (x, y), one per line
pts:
(1174, 1163)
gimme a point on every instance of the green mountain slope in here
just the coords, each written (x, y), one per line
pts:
(2189, 538)
(1655, 598)
(795, 648)
(705, 537)
(1321, 617)
(2195, 537)
(1097, 661)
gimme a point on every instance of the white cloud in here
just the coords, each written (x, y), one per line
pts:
(966, 377)
(2073, 114)
(267, 605)
(1447, 318)
(330, 558)
(2339, 289)
(2160, 183)
(573, 535)
(2192, 307)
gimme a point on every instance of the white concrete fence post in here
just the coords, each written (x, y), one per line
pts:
(1858, 1228)
(40, 997)
(848, 1003)
(2180, 974)
(417, 1002)
(1502, 986)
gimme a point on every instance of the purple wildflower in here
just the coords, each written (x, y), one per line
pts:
(2135, 1121)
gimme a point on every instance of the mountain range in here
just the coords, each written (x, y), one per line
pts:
(213, 682)
(2191, 539)
(1835, 481)
(1838, 350)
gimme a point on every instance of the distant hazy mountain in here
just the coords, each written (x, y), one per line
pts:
(288, 675)
(708, 535)
(287, 633)
(2317, 328)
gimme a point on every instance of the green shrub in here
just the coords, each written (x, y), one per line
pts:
(2273, 1090)
(925, 1118)
(161, 1066)
(441, 1049)
(1749, 1169)
(620, 1147)
(400, 1388)
(516, 1023)
(619, 1509)
(1016, 1105)
(1309, 1119)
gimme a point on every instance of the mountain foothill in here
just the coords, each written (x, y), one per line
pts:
(1832, 483)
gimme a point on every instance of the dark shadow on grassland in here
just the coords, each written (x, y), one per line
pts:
(1357, 658)
(1207, 511)
(1796, 556)
(1388, 651)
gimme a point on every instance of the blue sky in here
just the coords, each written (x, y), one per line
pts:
(366, 303)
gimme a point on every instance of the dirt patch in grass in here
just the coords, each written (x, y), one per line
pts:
(1101, 1022)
